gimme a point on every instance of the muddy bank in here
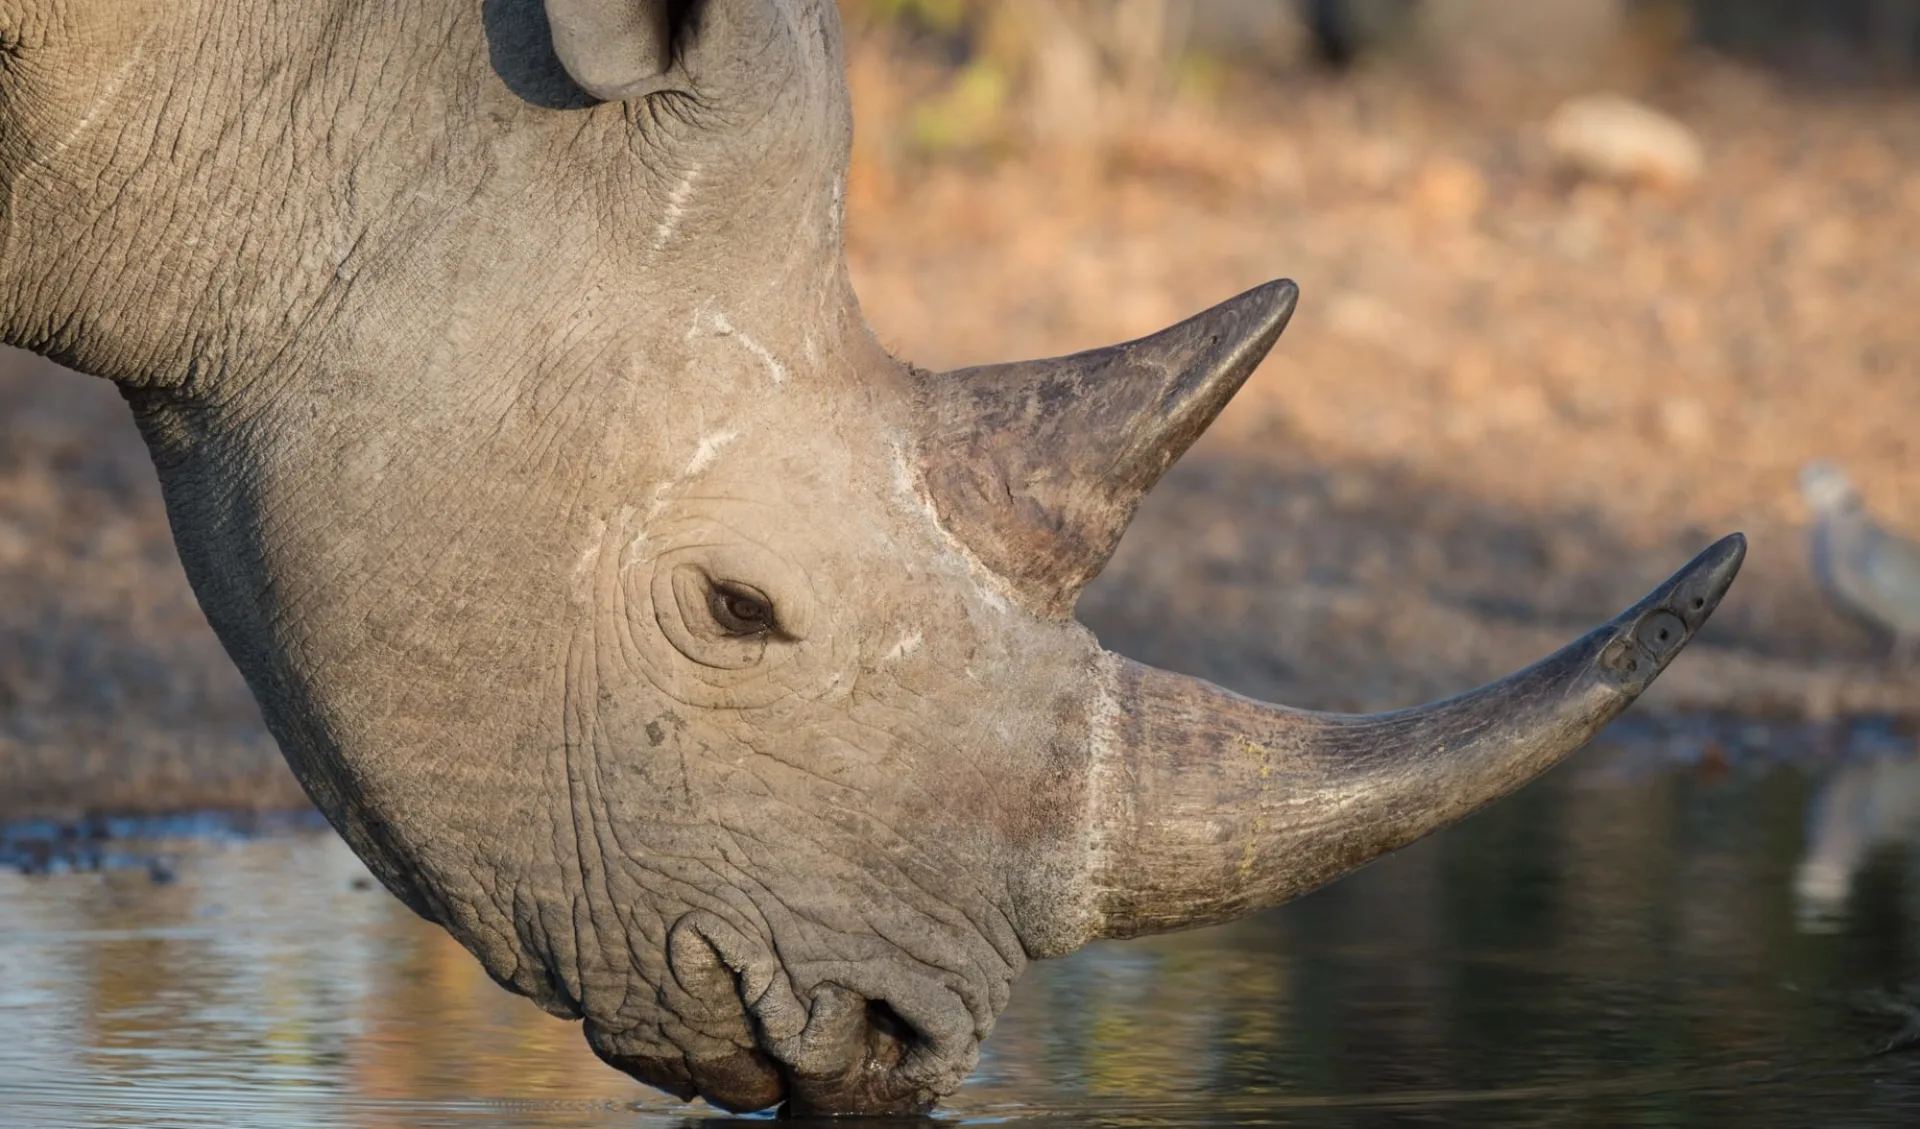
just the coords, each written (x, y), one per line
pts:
(1507, 406)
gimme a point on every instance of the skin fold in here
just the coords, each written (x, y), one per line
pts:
(709, 673)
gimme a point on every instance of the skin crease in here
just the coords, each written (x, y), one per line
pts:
(531, 458)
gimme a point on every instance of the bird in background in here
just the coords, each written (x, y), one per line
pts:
(1868, 571)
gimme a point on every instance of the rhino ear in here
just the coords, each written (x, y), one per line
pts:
(1038, 466)
(615, 49)
(618, 50)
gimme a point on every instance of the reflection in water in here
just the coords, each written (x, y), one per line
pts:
(1599, 950)
(1866, 805)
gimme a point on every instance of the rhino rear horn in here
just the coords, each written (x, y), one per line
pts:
(1038, 466)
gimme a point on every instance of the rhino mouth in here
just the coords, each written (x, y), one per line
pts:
(883, 1056)
(860, 1039)
(873, 1079)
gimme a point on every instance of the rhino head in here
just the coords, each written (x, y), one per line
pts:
(708, 672)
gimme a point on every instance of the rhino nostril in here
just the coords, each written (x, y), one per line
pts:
(889, 1037)
(864, 1074)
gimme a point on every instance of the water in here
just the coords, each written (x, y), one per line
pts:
(1719, 937)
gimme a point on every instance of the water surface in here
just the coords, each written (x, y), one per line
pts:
(1717, 935)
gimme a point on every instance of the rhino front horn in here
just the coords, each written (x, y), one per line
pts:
(1038, 466)
(1207, 805)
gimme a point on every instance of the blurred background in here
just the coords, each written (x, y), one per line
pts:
(1585, 284)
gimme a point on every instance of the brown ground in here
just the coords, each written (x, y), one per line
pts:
(1507, 406)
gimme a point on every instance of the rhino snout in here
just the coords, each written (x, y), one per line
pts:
(862, 1037)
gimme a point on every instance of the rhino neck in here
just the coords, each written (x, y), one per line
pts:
(198, 196)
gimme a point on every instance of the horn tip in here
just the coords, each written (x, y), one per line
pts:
(1648, 636)
(1716, 566)
(1272, 302)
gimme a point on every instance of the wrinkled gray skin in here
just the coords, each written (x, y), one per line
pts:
(707, 672)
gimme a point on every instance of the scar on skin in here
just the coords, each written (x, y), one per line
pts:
(656, 502)
(583, 567)
(704, 453)
(709, 448)
(677, 198)
(908, 643)
(632, 534)
(721, 326)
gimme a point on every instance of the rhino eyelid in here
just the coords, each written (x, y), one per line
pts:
(741, 610)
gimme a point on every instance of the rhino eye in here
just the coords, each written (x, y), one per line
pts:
(740, 609)
(707, 610)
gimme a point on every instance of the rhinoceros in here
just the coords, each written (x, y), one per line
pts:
(708, 672)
